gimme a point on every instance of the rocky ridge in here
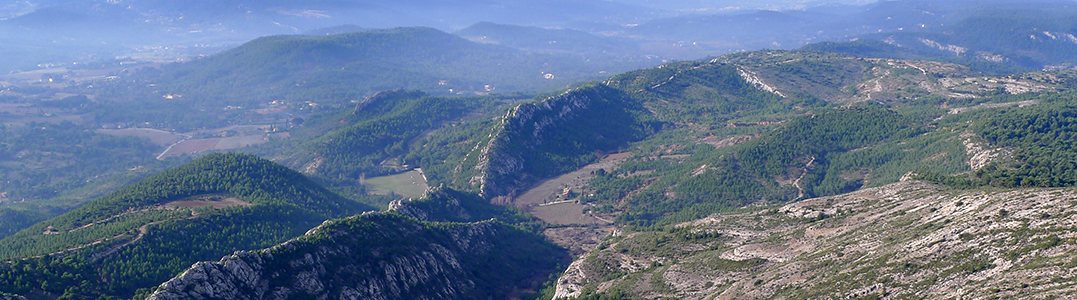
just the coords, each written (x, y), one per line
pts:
(847, 79)
(509, 162)
(383, 255)
(908, 239)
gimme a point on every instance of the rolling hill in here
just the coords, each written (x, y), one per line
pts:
(347, 66)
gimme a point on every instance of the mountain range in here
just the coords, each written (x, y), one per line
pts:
(47, 33)
(925, 150)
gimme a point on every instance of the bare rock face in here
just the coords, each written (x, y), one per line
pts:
(589, 118)
(377, 256)
(446, 208)
(979, 153)
(905, 240)
(524, 125)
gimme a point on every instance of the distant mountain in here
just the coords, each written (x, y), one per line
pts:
(746, 30)
(1005, 33)
(103, 30)
(194, 20)
(61, 32)
(556, 41)
(336, 30)
(719, 6)
(453, 251)
(143, 234)
(1002, 39)
(347, 66)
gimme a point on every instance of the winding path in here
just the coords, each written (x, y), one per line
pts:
(800, 190)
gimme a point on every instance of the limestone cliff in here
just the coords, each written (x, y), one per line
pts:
(558, 134)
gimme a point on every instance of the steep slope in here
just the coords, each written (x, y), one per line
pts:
(379, 136)
(363, 141)
(908, 239)
(386, 255)
(143, 234)
(1021, 146)
(725, 136)
(683, 120)
(556, 135)
(826, 152)
(12, 220)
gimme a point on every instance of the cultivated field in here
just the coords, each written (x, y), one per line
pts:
(410, 184)
(567, 213)
(548, 190)
(191, 146)
(156, 136)
(239, 142)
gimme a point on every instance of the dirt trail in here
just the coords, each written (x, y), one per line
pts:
(800, 190)
(674, 76)
(142, 231)
(162, 155)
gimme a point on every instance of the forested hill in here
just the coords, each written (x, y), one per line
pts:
(143, 234)
(350, 65)
(822, 124)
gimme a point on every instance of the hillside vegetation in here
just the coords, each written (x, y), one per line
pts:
(143, 234)
(453, 251)
(710, 136)
(43, 161)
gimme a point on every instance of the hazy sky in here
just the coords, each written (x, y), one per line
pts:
(726, 5)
